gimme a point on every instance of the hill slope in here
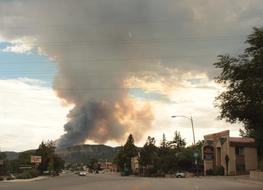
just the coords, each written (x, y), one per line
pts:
(84, 153)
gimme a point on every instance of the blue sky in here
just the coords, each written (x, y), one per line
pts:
(26, 65)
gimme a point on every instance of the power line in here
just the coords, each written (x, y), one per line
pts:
(129, 42)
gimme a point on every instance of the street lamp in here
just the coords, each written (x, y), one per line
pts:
(192, 124)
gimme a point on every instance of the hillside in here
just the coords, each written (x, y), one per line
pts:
(10, 155)
(84, 153)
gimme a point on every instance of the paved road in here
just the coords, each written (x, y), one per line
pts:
(113, 182)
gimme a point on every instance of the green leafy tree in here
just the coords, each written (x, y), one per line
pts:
(242, 76)
(50, 161)
(50, 167)
(24, 158)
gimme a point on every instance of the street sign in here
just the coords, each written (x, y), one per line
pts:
(196, 154)
(36, 159)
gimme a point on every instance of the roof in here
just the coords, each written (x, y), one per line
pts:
(221, 133)
(241, 140)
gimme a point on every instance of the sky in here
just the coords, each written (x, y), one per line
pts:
(126, 66)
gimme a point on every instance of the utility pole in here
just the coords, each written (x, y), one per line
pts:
(195, 153)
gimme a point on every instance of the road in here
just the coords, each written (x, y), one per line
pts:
(114, 182)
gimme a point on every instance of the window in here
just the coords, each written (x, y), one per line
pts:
(239, 151)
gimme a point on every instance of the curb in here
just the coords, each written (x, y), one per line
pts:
(26, 180)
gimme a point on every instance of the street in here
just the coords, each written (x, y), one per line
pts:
(114, 182)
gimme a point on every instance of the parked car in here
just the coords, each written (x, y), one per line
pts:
(82, 173)
(180, 174)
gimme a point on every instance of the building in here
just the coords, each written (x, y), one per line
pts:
(237, 155)
(107, 166)
(135, 166)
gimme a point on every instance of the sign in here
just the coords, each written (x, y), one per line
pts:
(209, 142)
(208, 152)
(195, 154)
(208, 157)
(36, 159)
(222, 140)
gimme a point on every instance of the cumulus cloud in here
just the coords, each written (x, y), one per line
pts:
(18, 48)
(29, 113)
(191, 100)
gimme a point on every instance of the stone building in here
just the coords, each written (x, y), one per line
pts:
(238, 155)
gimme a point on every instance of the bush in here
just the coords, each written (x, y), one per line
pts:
(219, 170)
(260, 165)
(28, 174)
(9, 178)
(1, 178)
(209, 172)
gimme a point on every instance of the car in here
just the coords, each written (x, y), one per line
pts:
(82, 173)
(180, 174)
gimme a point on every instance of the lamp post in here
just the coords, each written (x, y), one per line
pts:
(192, 124)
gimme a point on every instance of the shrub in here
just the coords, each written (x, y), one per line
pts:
(1, 178)
(9, 178)
(219, 170)
(28, 174)
(260, 165)
(209, 172)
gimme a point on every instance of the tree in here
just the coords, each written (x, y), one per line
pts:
(164, 143)
(178, 143)
(50, 161)
(242, 77)
(2, 165)
(148, 153)
(2, 156)
(123, 158)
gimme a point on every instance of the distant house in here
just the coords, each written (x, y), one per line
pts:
(135, 166)
(238, 155)
(108, 166)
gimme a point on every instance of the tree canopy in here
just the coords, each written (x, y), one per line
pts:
(50, 161)
(123, 158)
(242, 77)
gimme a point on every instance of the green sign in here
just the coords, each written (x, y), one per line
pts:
(195, 154)
(209, 142)
(222, 140)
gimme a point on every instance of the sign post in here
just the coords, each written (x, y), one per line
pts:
(36, 160)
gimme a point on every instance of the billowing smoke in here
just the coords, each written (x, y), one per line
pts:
(103, 121)
(99, 45)
(94, 46)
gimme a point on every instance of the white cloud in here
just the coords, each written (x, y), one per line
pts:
(18, 48)
(29, 113)
(190, 100)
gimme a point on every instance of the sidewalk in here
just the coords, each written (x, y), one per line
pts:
(26, 180)
(239, 178)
